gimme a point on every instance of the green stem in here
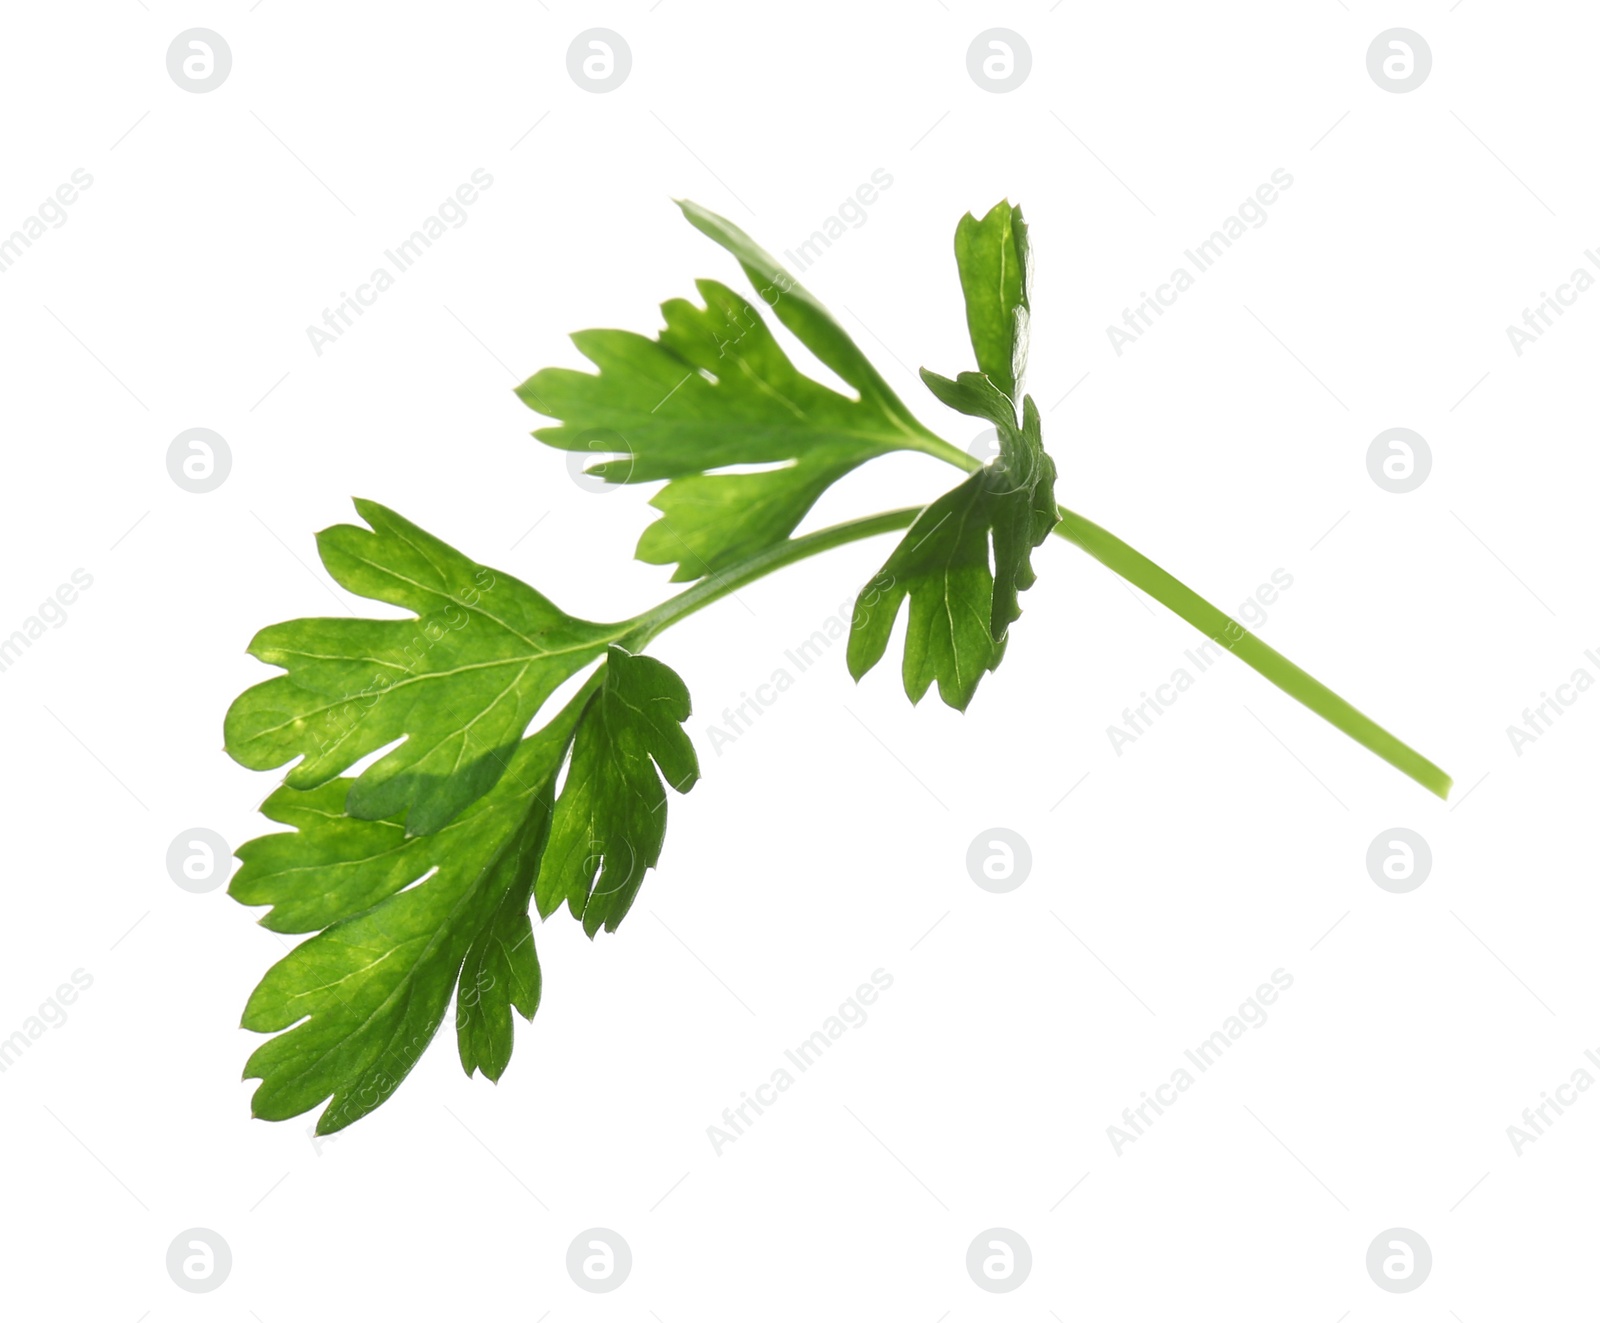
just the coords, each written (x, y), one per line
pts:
(1142, 572)
(645, 626)
(939, 448)
(1139, 570)
(1111, 552)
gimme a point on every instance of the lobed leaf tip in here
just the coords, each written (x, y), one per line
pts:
(368, 508)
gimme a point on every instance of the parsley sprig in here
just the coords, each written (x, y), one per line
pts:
(417, 875)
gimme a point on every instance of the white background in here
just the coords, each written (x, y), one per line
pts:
(828, 842)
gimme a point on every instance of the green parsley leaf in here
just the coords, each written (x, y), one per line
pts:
(1018, 489)
(612, 814)
(805, 317)
(501, 970)
(961, 608)
(715, 390)
(404, 919)
(460, 681)
(993, 258)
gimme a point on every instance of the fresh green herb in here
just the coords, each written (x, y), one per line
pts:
(418, 875)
